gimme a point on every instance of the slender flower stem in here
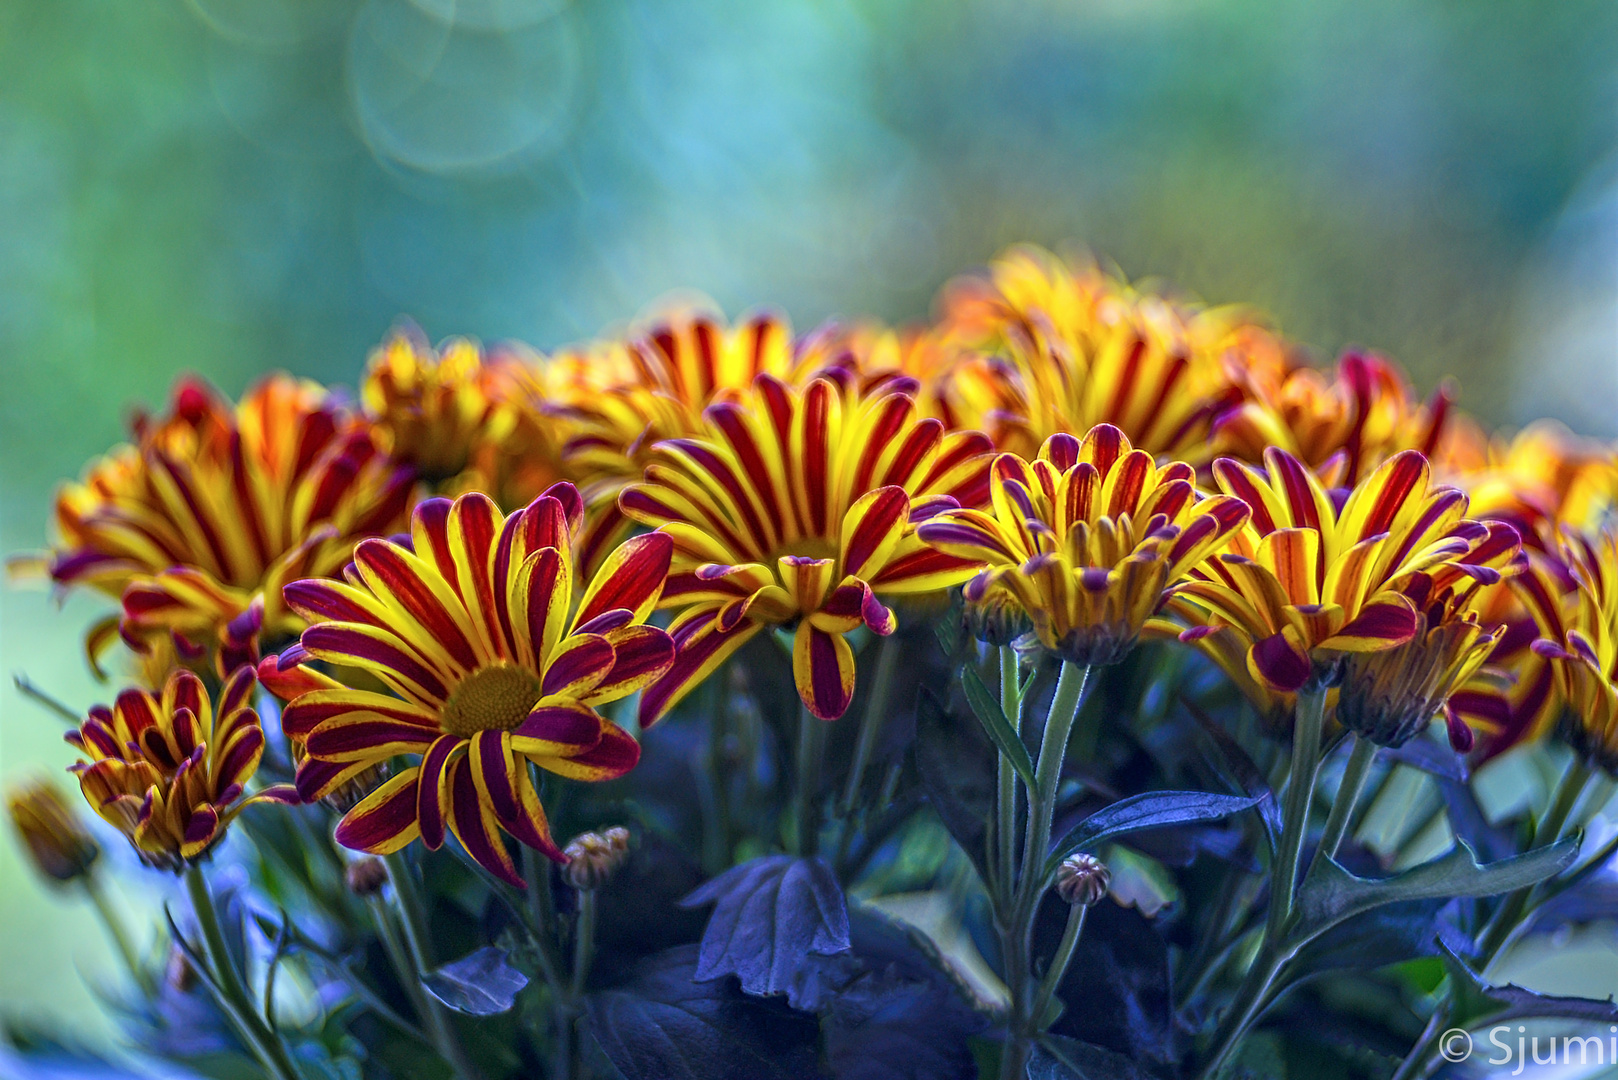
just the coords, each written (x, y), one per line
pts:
(1355, 773)
(584, 937)
(235, 1000)
(1065, 706)
(1017, 923)
(413, 921)
(875, 717)
(1059, 962)
(117, 931)
(811, 753)
(1011, 705)
(1258, 984)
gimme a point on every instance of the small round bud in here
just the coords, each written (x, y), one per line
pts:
(592, 858)
(366, 877)
(51, 831)
(1083, 879)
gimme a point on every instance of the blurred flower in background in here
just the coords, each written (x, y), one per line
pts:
(236, 186)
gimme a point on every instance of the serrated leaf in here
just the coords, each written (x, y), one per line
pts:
(481, 983)
(1478, 1002)
(769, 915)
(664, 1025)
(1331, 894)
(1056, 1057)
(1151, 810)
(1001, 731)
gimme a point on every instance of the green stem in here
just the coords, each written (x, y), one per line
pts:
(1011, 704)
(1415, 1063)
(235, 1000)
(584, 937)
(1065, 706)
(888, 650)
(413, 921)
(1348, 794)
(811, 753)
(117, 931)
(1258, 984)
(1059, 964)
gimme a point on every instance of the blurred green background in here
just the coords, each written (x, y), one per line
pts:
(229, 186)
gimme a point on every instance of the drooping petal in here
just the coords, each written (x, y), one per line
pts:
(1279, 662)
(385, 820)
(475, 827)
(438, 766)
(1384, 622)
(701, 650)
(614, 755)
(553, 729)
(823, 667)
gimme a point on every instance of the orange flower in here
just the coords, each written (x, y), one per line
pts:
(198, 524)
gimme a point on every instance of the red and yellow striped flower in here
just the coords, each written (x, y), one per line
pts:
(1088, 540)
(1343, 423)
(1580, 640)
(198, 524)
(655, 387)
(491, 664)
(1079, 348)
(170, 770)
(800, 506)
(1308, 583)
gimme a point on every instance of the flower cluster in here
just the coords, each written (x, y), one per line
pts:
(470, 588)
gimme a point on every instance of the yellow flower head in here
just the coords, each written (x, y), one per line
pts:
(1312, 579)
(1087, 540)
(170, 770)
(799, 506)
(491, 664)
(1580, 639)
(1077, 348)
(196, 526)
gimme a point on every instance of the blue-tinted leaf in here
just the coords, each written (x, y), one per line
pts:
(482, 983)
(769, 915)
(1387, 935)
(1152, 810)
(1430, 757)
(1056, 1057)
(665, 1025)
(1242, 769)
(999, 727)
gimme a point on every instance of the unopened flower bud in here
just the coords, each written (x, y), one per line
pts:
(366, 877)
(181, 975)
(1083, 880)
(592, 858)
(53, 835)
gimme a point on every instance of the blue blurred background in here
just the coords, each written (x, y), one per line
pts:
(229, 186)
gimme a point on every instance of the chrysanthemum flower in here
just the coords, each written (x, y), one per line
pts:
(51, 832)
(799, 506)
(434, 404)
(1580, 639)
(1080, 348)
(1308, 583)
(1087, 540)
(199, 523)
(1542, 479)
(170, 770)
(1342, 423)
(653, 387)
(491, 664)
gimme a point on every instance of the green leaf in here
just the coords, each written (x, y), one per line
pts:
(1331, 894)
(1152, 810)
(1477, 1002)
(997, 725)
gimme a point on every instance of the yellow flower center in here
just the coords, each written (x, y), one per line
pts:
(493, 698)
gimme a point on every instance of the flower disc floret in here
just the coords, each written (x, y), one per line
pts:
(170, 770)
(799, 507)
(491, 664)
(1087, 540)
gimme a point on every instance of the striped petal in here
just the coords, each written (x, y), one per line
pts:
(366, 736)
(697, 653)
(579, 664)
(641, 655)
(494, 770)
(559, 729)
(438, 766)
(631, 578)
(307, 711)
(1386, 621)
(1280, 662)
(354, 645)
(385, 820)
(612, 757)
(473, 821)
(823, 667)
(872, 528)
